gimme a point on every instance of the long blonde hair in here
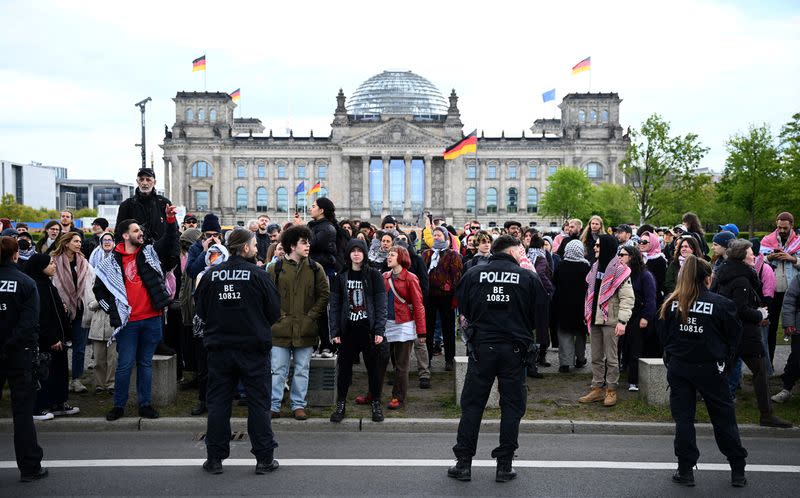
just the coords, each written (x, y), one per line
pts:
(691, 278)
(588, 229)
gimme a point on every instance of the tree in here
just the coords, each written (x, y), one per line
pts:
(752, 176)
(19, 212)
(614, 203)
(654, 159)
(568, 194)
(790, 159)
(690, 192)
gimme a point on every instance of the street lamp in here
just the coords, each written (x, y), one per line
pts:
(141, 105)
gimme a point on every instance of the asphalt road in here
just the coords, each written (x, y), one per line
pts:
(371, 464)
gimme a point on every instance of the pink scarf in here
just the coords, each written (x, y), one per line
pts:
(653, 249)
(71, 295)
(772, 241)
(615, 275)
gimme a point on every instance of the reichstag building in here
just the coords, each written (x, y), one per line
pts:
(383, 155)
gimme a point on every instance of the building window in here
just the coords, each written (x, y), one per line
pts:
(282, 197)
(262, 171)
(533, 200)
(397, 186)
(512, 171)
(201, 169)
(472, 171)
(581, 116)
(471, 201)
(491, 171)
(551, 169)
(241, 199)
(189, 114)
(201, 115)
(594, 171)
(201, 200)
(261, 199)
(593, 116)
(323, 192)
(301, 171)
(281, 166)
(375, 186)
(300, 202)
(491, 200)
(322, 171)
(604, 116)
(241, 171)
(212, 115)
(511, 200)
(533, 170)
(417, 186)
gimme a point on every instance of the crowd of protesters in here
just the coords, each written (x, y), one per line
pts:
(386, 294)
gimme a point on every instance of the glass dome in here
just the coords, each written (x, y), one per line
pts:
(397, 92)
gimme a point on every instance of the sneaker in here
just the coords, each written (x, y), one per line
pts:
(39, 474)
(77, 387)
(266, 465)
(425, 383)
(783, 396)
(364, 400)
(163, 350)
(326, 353)
(148, 411)
(738, 480)
(633, 388)
(394, 404)
(115, 413)
(437, 349)
(580, 363)
(99, 390)
(43, 415)
(771, 420)
(275, 414)
(65, 409)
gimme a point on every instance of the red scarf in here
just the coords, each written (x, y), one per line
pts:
(616, 273)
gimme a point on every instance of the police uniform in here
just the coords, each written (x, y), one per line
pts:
(698, 354)
(502, 303)
(238, 303)
(19, 313)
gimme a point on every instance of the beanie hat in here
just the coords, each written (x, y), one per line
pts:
(211, 223)
(190, 236)
(388, 219)
(786, 216)
(36, 264)
(723, 238)
(8, 232)
(273, 227)
(101, 222)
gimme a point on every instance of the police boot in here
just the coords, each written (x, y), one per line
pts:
(772, 420)
(684, 477)
(462, 470)
(738, 480)
(504, 471)
(338, 413)
(267, 464)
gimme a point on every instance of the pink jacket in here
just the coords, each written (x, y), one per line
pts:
(767, 276)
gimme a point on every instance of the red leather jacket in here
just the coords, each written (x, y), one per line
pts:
(407, 285)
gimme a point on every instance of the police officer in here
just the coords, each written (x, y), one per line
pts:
(238, 303)
(19, 312)
(700, 334)
(502, 303)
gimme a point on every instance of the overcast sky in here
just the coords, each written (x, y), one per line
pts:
(71, 72)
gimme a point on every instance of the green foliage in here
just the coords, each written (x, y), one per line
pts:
(614, 203)
(654, 160)
(568, 194)
(790, 159)
(19, 212)
(695, 193)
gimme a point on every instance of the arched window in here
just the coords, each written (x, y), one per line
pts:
(511, 200)
(241, 199)
(512, 171)
(189, 114)
(533, 170)
(262, 170)
(582, 116)
(201, 115)
(201, 169)
(533, 200)
(593, 116)
(491, 170)
(471, 199)
(282, 197)
(551, 169)
(594, 171)
(212, 115)
(281, 167)
(604, 116)
(261, 199)
(241, 171)
(472, 171)
(491, 200)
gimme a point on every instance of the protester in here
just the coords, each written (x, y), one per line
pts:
(719, 245)
(791, 323)
(67, 222)
(379, 250)
(262, 238)
(570, 284)
(26, 248)
(418, 269)
(46, 244)
(483, 246)
(573, 232)
(100, 329)
(147, 207)
(594, 229)
(695, 229)
(642, 320)
(686, 245)
(99, 227)
(325, 251)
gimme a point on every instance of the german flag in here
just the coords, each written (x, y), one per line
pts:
(236, 95)
(316, 188)
(464, 146)
(199, 64)
(584, 65)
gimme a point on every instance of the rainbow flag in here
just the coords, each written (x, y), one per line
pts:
(236, 96)
(584, 65)
(199, 64)
(316, 188)
(464, 146)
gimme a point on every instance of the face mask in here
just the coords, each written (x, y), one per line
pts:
(24, 244)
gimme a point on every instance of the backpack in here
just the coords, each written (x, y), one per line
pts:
(279, 268)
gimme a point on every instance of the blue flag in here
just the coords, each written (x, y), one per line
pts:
(549, 95)
(300, 188)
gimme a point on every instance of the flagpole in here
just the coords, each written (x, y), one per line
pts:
(205, 73)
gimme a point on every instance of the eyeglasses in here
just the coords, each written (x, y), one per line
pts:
(624, 254)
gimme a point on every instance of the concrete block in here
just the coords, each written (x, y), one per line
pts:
(165, 382)
(653, 381)
(461, 374)
(322, 382)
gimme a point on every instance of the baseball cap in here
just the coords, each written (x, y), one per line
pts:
(190, 218)
(730, 227)
(146, 172)
(623, 228)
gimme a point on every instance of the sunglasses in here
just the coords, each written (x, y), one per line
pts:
(624, 254)
(644, 242)
(474, 228)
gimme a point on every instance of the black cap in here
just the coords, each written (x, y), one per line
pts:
(511, 223)
(146, 172)
(623, 228)
(102, 222)
(190, 218)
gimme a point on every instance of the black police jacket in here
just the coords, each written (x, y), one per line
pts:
(19, 310)
(149, 211)
(711, 333)
(238, 302)
(502, 302)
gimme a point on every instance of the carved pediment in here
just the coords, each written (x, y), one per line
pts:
(397, 132)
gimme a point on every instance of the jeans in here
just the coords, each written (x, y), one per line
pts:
(80, 336)
(136, 343)
(735, 377)
(571, 347)
(301, 359)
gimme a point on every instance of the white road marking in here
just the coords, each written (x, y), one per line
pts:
(348, 462)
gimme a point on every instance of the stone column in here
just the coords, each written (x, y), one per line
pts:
(365, 180)
(177, 179)
(167, 179)
(428, 182)
(385, 208)
(407, 191)
(186, 175)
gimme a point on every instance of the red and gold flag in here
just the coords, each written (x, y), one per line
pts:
(464, 146)
(584, 65)
(236, 95)
(199, 64)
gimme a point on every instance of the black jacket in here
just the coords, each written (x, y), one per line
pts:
(738, 282)
(238, 302)
(658, 267)
(374, 296)
(19, 310)
(262, 244)
(418, 269)
(150, 211)
(569, 297)
(711, 334)
(54, 324)
(502, 302)
(89, 244)
(323, 243)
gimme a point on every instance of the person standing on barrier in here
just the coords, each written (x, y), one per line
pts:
(237, 304)
(700, 332)
(19, 315)
(502, 303)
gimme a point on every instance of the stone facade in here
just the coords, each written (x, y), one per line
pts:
(371, 166)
